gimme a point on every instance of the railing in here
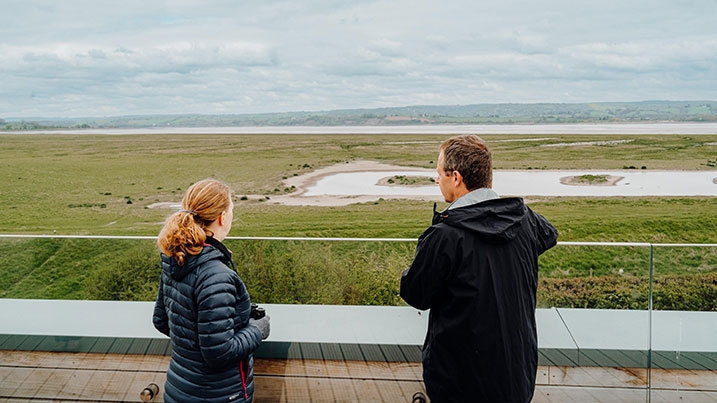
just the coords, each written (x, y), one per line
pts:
(632, 315)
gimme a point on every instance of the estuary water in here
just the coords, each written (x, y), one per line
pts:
(573, 128)
(529, 183)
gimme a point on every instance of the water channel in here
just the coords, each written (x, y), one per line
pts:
(528, 183)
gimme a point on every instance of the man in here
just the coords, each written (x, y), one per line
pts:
(476, 269)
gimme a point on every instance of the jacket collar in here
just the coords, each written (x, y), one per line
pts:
(473, 197)
(226, 253)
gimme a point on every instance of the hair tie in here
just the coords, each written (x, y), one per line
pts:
(189, 211)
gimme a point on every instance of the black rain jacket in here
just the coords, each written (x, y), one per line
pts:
(476, 269)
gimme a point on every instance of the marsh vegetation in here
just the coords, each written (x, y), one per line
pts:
(104, 185)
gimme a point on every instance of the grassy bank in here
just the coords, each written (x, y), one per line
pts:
(354, 273)
(104, 185)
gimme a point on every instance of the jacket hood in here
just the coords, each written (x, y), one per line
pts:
(213, 249)
(496, 220)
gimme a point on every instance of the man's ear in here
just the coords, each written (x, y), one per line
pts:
(457, 178)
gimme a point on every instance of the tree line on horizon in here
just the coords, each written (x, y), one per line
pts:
(509, 113)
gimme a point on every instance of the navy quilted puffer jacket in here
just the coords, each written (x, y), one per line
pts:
(203, 306)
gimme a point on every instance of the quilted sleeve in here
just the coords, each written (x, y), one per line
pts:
(222, 319)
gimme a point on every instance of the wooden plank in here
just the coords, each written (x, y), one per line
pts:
(97, 382)
(85, 377)
(354, 390)
(131, 362)
(117, 386)
(551, 394)
(598, 376)
(317, 368)
(4, 373)
(12, 380)
(542, 376)
(320, 390)
(155, 363)
(407, 371)
(77, 384)
(28, 382)
(671, 396)
(74, 360)
(52, 385)
(401, 391)
(280, 389)
(684, 379)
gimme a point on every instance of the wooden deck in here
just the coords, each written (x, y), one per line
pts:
(90, 377)
(31, 376)
(108, 351)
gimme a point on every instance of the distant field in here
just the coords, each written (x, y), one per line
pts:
(103, 185)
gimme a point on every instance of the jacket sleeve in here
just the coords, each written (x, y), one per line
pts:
(546, 233)
(426, 277)
(217, 303)
(159, 317)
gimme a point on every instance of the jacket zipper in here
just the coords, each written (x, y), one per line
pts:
(243, 366)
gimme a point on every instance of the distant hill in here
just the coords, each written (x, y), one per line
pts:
(539, 113)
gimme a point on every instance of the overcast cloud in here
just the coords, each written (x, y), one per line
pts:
(106, 58)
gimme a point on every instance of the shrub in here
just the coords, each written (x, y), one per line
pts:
(295, 272)
(134, 276)
(688, 292)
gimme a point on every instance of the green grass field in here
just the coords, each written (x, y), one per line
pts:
(103, 185)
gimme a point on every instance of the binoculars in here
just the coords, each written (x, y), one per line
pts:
(257, 312)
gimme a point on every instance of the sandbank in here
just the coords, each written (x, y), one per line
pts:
(577, 180)
(303, 182)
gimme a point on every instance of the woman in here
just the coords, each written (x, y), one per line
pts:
(202, 304)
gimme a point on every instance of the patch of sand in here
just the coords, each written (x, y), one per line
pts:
(413, 181)
(578, 181)
(588, 143)
(172, 205)
(303, 182)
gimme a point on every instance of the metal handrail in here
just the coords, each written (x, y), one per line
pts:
(282, 238)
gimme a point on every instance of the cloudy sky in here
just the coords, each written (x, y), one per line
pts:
(90, 58)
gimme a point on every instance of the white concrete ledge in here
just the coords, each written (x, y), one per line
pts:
(579, 337)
